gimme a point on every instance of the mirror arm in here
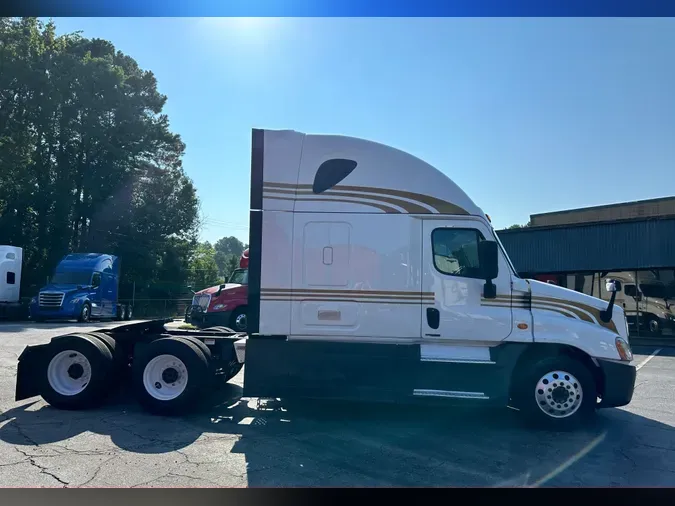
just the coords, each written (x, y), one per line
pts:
(606, 315)
(489, 289)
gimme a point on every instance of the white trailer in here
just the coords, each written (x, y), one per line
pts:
(372, 276)
(11, 258)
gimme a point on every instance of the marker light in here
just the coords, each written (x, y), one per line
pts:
(624, 349)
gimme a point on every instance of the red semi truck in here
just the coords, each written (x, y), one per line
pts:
(223, 305)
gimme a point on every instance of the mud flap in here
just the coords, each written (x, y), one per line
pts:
(277, 368)
(29, 368)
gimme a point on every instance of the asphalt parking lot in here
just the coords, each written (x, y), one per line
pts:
(233, 444)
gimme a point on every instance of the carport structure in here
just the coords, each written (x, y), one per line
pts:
(579, 248)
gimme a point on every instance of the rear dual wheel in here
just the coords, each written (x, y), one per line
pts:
(78, 370)
(233, 366)
(124, 312)
(170, 375)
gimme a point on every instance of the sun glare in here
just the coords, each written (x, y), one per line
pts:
(244, 31)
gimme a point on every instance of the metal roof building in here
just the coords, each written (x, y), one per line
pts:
(632, 236)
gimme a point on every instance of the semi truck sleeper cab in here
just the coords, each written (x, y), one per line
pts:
(373, 276)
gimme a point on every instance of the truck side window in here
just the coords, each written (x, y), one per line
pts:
(11, 278)
(455, 251)
(96, 280)
(629, 290)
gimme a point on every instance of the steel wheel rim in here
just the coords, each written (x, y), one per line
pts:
(240, 322)
(653, 326)
(558, 394)
(85, 313)
(165, 377)
(69, 373)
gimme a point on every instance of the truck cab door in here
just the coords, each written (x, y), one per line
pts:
(108, 298)
(95, 295)
(451, 276)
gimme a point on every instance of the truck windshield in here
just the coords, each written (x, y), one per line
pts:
(71, 278)
(240, 277)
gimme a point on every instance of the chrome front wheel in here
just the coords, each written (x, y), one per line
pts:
(559, 394)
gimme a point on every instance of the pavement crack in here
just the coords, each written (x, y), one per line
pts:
(43, 469)
(143, 483)
(627, 457)
(98, 470)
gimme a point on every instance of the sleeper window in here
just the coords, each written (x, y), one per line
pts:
(11, 278)
(455, 251)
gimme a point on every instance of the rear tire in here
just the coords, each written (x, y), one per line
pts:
(127, 312)
(76, 372)
(204, 349)
(233, 366)
(557, 393)
(119, 356)
(226, 330)
(169, 376)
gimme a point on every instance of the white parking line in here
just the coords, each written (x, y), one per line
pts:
(644, 362)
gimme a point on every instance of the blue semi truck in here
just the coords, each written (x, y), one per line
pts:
(84, 286)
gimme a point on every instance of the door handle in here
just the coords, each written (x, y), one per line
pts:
(433, 317)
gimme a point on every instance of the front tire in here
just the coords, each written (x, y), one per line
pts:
(557, 393)
(85, 314)
(76, 373)
(239, 320)
(653, 326)
(169, 376)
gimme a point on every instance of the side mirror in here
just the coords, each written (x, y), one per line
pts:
(190, 288)
(613, 285)
(220, 289)
(488, 259)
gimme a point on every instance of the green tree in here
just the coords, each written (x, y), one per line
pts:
(203, 268)
(227, 247)
(87, 159)
(231, 264)
(512, 227)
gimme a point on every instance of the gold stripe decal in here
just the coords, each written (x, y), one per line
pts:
(410, 202)
(360, 296)
(570, 309)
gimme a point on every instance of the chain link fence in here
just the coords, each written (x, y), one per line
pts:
(142, 308)
(158, 308)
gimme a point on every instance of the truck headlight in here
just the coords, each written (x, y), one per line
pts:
(623, 348)
(34, 300)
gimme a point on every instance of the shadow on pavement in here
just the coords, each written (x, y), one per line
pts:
(340, 444)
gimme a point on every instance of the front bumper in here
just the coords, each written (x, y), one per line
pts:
(204, 320)
(619, 383)
(69, 313)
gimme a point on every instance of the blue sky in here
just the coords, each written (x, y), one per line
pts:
(526, 115)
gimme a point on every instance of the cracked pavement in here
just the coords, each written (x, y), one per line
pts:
(234, 443)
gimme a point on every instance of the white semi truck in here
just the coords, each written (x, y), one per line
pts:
(372, 276)
(11, 258)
